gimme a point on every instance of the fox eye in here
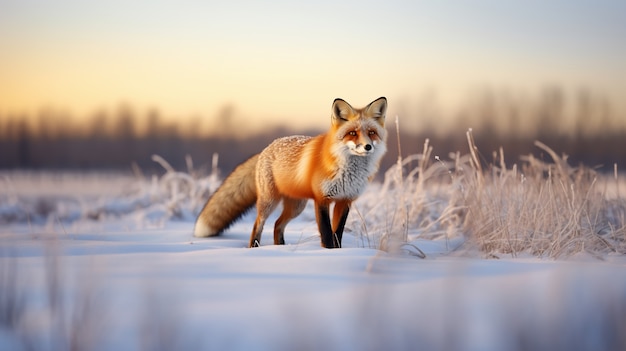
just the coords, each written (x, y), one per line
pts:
(371, 132)
(352, 133)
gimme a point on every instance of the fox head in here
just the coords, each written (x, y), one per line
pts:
(360, 131)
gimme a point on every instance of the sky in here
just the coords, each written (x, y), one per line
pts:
(283, 62)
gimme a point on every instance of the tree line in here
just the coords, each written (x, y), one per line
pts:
(585, 128)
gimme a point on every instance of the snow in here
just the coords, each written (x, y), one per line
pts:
(110, 263)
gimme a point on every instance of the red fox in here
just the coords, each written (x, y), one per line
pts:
(334, 167)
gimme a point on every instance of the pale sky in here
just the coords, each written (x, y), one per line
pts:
(285, 61)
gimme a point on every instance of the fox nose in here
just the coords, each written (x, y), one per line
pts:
(368, 147)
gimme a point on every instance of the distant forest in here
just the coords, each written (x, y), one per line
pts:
(583, 127)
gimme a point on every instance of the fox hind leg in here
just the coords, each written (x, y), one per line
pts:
(291, 209)
(265, 207)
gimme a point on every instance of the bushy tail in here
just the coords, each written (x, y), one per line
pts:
(231, 200)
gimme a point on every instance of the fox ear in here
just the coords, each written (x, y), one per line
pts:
(341, 111)
(377, 109)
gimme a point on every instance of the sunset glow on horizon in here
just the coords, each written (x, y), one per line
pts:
(284, 62)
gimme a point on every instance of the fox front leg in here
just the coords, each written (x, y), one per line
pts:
(340, 215)
(322, 215)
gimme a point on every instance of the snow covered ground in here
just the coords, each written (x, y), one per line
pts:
(106, 262)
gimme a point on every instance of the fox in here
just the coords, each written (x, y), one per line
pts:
(333, 168)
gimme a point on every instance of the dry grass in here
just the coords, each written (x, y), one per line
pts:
(546, 209)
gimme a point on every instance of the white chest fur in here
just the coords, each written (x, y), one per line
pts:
(351, 178)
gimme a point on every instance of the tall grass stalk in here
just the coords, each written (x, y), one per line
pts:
(412, 202)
